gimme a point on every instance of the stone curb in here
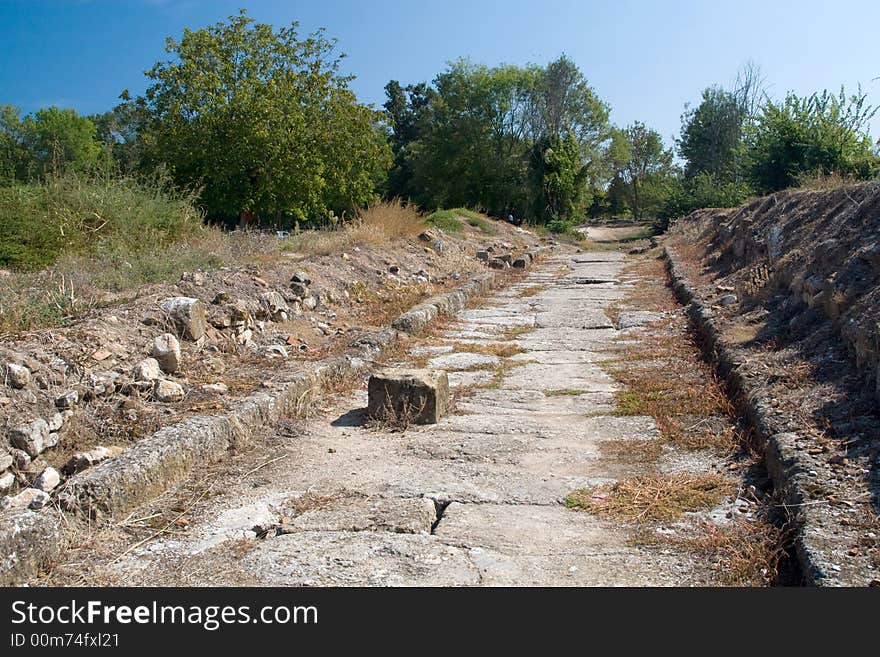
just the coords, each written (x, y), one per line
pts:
(31, 539)
(784, 464)
(418, 317)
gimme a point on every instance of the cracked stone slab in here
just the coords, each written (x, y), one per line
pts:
(463, 361)
(535, 401)
(573, 318)
(571, 377)
(360, 559)
(391, 514)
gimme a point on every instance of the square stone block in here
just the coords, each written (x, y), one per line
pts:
(408, 396)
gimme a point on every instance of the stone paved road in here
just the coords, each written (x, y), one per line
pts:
(474, 500)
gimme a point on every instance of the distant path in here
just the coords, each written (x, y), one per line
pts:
(613, 233)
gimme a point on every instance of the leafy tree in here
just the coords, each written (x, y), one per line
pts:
(819, 134)
(13, 154)
(119, 131)
(481, 137)
(559, 177)
(643, 167)
(60, 139)
(263, 120)
(409, 112)
(711, 135)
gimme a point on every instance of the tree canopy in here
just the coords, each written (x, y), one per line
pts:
(263, 120)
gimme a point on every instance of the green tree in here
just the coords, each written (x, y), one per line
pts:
(643, 167)
(560, 177)
(478, 137)
(59, 140)
(711, 135)
(263, 120)
(821, 134)
(13, 153)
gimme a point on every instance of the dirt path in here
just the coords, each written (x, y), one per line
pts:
(475, 500)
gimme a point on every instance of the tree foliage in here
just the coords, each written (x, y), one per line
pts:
(499, 139)
(820, 134)
(643, 166)
(263, 120)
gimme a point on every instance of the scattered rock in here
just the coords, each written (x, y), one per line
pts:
(216, 388)
(168, 391)
(68, 400)
(273, 305)
(188, 315)
(17, 376)
(273, 351)
(20, 458)
(7, 479)
(728, 300)
(402, 396)
(483, 255)
(394, 269)
(56, 422)
(31, 438)
(310, 302)
(220, 298)
(48, 480)
(101, 354)
(6, 459)
(301, 277)
(29, 498)
(166, 351)
(84, 460)
(147, 370)
(498, 263)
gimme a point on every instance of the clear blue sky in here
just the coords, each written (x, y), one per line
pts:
(645, 58)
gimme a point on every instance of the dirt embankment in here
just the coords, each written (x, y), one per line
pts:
(794, 282)
(65, 392)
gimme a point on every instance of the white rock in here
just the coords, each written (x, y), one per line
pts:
(188, 315)
(20, 458)
(67, 400)
(29, 498)
(6, 481)
(166, 350)
(48, 479)
(6, 459)
(216, 388)
(17, 376)
(31, 437)
(56, 422)
(168, 391)
(147, 370)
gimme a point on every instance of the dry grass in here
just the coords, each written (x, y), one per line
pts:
(565, 392)
(375, 226)
(653, 498)
(514, 332)
(313, 501)
(499, 349)
(531, 291)
(631, 451)
(741, 553)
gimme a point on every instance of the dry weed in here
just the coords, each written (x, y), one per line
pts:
(653, 497)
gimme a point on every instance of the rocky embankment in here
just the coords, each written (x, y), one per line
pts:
(791, 284)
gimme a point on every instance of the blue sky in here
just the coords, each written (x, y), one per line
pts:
(645, 58)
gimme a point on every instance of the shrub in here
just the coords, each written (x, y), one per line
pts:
(78, 215)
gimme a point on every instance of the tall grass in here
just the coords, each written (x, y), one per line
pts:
(72, 242)
(377, 225)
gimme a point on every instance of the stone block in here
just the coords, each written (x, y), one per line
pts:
(404, 396)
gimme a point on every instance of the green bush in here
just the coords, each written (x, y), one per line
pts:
(560, 226)
(78, 215)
